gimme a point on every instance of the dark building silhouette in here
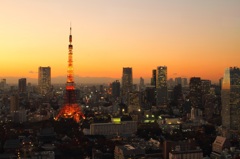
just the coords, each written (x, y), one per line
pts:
(150, 96)
(231, 100)
(184, 82)
(141, 84)
(127, 80)
(116, 89)
(178, 96)
(206, 85)
(44, 79)
(22, 85)
(14, 103)
(195, 92)
(178, 80)
(161, 87)
(153, 79)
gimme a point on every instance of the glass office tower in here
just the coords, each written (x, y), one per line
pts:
(231, 99)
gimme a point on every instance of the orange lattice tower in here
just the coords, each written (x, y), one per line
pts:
(70, 109)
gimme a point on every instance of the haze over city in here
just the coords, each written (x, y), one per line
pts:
(192, 38)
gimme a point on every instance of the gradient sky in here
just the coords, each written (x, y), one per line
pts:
(190, 37)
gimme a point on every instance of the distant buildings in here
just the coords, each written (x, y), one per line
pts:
(184, 82)
(161, 86)
(44, 79)
(231, 100)
(22, 85)
(3, 84)
(178, 80)
(141, 84)
(127, 80)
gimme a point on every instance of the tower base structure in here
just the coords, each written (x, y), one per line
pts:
(71, 111)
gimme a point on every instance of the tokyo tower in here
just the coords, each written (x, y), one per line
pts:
(70, 108)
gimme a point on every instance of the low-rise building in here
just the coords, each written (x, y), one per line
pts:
(125, 128)
(186, 149)
(128, 151)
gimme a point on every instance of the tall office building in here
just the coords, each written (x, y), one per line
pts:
(116, 89)
(231, 99)
(22, 85)
(44, 79)
(127, 80)
(150, 95)
(195, 92)
(161, 86)
(153, 79)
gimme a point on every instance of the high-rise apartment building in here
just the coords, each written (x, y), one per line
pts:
(22, 85)
(44, 79)
(231, 99)
(127, 80)
(161, 86)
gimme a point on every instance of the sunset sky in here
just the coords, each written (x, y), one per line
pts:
(191, 37)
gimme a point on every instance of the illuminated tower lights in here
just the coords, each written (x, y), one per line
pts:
(70, 109)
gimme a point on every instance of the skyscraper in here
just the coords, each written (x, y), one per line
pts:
(22, 85)
(116, 89)
(127, 80)
(231, 99)
(153, 79)
(195, 92)
(161, 86)
(44, 79)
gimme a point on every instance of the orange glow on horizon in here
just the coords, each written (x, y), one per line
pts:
(115, 34)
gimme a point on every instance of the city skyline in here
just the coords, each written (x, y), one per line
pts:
(193, 39)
